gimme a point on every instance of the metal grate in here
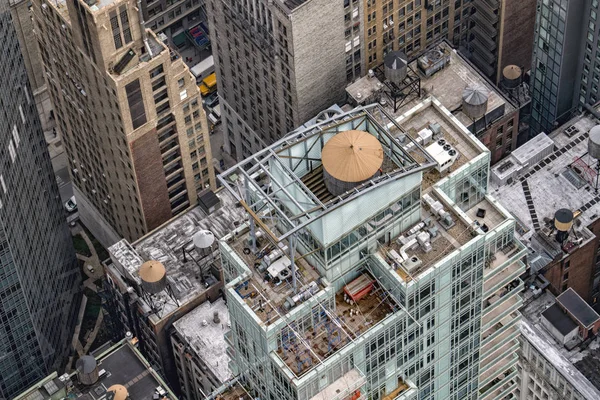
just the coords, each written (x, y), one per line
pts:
(574, 178)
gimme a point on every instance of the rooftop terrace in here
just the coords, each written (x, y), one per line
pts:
(207, 337)
(336, 328)
(166, 244)
(445, 235)
(236, 392)
(262, 292)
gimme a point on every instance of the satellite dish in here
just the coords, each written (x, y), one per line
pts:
(203, 239)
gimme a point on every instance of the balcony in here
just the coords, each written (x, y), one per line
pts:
(500, 386)
(488, 13)
(509, 349)
(482, 51)
(499, 339)
(501, 295)
(494, 316)
(482, 25)
(499, 391)
(483, 34)
(346, 387)
(495, 281)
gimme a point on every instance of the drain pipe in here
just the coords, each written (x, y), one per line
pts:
(143, 27)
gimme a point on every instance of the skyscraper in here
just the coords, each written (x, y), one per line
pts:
(130, 114)
(278, 62)
(368, 269)
(565, 71)
(501, 34)
(39, 276)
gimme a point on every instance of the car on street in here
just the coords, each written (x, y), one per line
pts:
(71, 204)
(211, 100)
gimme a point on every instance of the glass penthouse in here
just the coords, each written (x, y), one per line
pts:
(401, 286)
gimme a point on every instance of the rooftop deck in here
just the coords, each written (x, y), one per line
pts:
(236, 392)
(445, 242)
(265, 295)
(336, 328)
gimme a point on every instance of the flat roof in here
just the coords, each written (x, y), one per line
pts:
(124, 365)
(427, 112)
(559, 319)
(579, 309)
(447, 85)
(579, 366)
(207, 337)
(564, 168)
(165, 244)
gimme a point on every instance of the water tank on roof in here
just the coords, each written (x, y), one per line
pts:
(154, 276)
(203, 239)
(87, 370)
(563, 222)
(511, 76)
(349, 159)
(396, 67)
(117, 392)
(475, 101)
(594, 142)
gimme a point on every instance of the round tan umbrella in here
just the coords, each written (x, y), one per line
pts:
(352, 156)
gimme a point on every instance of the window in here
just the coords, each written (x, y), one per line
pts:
(181, 82)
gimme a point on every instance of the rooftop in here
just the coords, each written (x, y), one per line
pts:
(124, 365)
(454, 232)
(207, 337)
(166, 244)
(580, 365)
(563, 168)
(335, 330)
(579, 309)
(446, 85)
(559, 319)
(265, 294)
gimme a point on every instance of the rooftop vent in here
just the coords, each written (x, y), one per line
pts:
(349, 159)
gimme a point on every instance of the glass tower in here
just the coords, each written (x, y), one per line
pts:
(39, 279)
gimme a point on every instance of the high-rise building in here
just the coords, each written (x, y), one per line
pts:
(411, 26)
(23, 22)
(278, 64)
(130, 114)
(39, 274)
(501, 34)
(566, 61)
(368, 269)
